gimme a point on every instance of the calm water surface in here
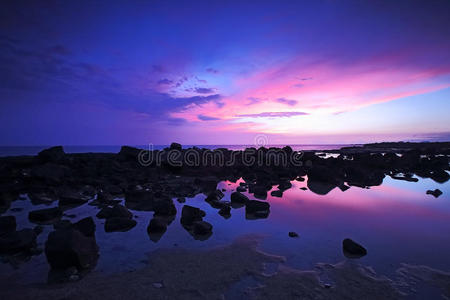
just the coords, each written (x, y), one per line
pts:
(396, 222)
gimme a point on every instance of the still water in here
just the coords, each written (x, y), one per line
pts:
(396, 222)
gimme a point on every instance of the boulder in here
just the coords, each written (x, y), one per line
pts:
(45, 216)
(237, 197)
(175, 146)
(117, 211)
(119, 224)
(225, 212)
(257, 209)
(241, 189)
(50, 173)
(52, 154)
(440, 176)
(7, 224)
(69, 247)
(190, 214)
(214, 196)
(284, 185)
(202, 228)
(277, 193)
(352, 249)
(67, 196)
(436, 193)
(86, 226)
(17, 241)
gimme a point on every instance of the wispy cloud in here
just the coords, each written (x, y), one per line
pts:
(204, 90)
(207, 118)
(165, 81)
(211, 70)
(286, 114)
(287, 101)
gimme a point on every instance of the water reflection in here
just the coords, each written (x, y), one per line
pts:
(396, 221)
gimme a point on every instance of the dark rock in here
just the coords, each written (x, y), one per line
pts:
(7, 224)
(117, 211)
(157, 225)
(303, 188)
(71, 197)
(440, 176)
(16, 241)
(202, 228)
(42, 197)
(67, 248)
(45, 216)
(119, 224)
(285, 185)
(164, 207)
(38, 229)
(175, 146)
(225, 212)
(344, 187)
(62, 224)
(241, 189)
(181, 199)
(436, 193)
(257, 209)
(52, 154)
(352, 249)
(277, 193)
(86, 226)
(190, 214)
(214, 196)
(237, 197)
(50, 173)
(293, 234)
(129, 153)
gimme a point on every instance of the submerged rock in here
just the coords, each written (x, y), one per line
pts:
(436, 193)
(352, 249)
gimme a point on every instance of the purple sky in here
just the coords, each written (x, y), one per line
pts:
(223, 72)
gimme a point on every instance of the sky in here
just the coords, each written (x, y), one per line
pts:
(223, 72)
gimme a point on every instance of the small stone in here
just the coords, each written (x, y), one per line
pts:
(436, 193)
(293, 234)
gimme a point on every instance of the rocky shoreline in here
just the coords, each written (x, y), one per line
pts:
(151, 180)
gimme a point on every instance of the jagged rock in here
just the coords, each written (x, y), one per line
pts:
(436, 193)
(45, 216)
(7, 224)
(68, 196)
(119, 224)
(352, 249)
(129, 153)
(237, 197)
